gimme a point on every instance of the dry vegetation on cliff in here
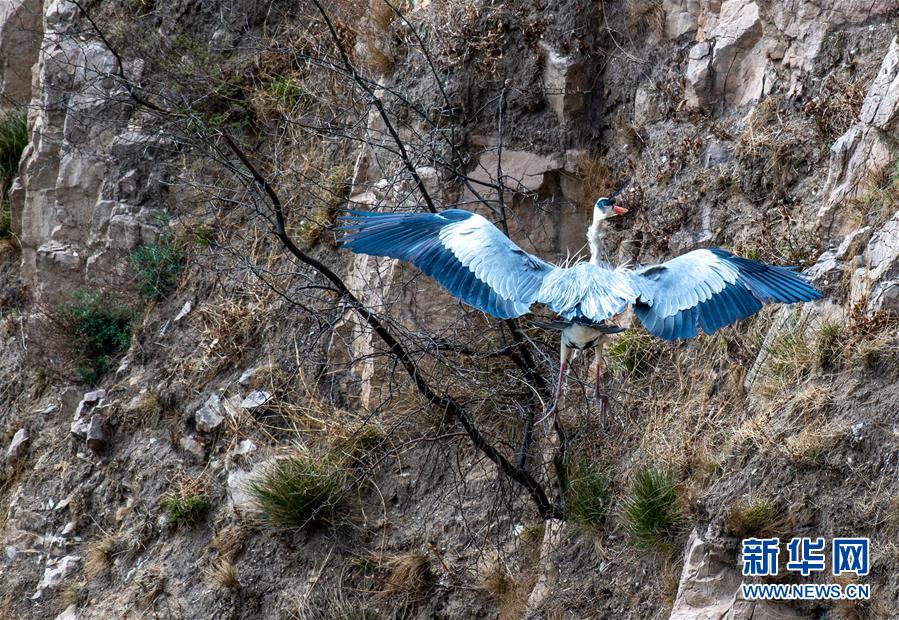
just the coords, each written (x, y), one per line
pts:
(283, 430)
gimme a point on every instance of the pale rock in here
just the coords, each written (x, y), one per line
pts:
(60, 14)
(244, 447)
(832, 263)
(881, 106)
(124, 232)
(866, 147)
(573, 159)
(210, 415)
(96, 438)
(20, 39)
(716, 154)
(246, 377)
(69, 613)
(81, 421)
(647, 105)
(17, 446)
(56, 574)
(255, 400)
(193, 446)
(58, 255)
(238, 482)
(709, 587)
(185, 310)
(103, 210)
(565, 83)
(876, 282)
(523, 171)
(729, 64)
(129, 184)
(430, 178)
(681, 17)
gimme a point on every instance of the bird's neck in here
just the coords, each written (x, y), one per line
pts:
(595, 236)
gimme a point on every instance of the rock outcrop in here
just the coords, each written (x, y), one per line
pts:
(20, 38)
(867, 148)
(710, 585)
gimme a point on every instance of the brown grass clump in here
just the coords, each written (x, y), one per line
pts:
(774, 146)
(645, 15)
(227, 541)
(836, 105)
(751, 518)
(596, 177)
(186, 499)
(223, 573)
(813, 400)
(808, 446)
(469, 31)
(508, 591)
(372, 38)
(410, 575)
(99, 556)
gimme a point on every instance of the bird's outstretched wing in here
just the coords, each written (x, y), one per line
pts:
(463, 251)
(710, 289)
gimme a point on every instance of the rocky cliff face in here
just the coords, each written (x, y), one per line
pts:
(766, 127)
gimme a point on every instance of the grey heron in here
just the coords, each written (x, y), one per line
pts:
(703, 289)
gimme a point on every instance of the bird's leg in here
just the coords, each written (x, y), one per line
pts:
(599, 394)
(563, 369)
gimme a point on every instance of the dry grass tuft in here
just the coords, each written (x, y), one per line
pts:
(807, 447)
(751, 518)
(186, 500)
(509, 592)
(99, 556)
(227, 541)
(410, 574)
(791, 358)
(596, 177)
(813, 400)
(467, 31)
(645, 16)
(776, 144)
(223, 573)
(836, 105)
(633, 353)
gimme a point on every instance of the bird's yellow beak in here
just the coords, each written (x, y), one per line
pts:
(619, 210)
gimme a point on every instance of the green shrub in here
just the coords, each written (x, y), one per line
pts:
(754, 518)
(650, 511)
(13, 140)
(156, 267)
(295, 492)
(829, 344)
(187, 509)
(588, 493)
(5, 220)
(290, 94)
(98, 332)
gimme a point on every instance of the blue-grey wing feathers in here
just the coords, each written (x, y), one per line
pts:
(463, 251)
(470, 257)
(709, 289)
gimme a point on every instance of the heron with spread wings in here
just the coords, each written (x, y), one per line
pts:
(704, 289)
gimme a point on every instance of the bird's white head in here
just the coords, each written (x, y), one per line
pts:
(606, 208)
